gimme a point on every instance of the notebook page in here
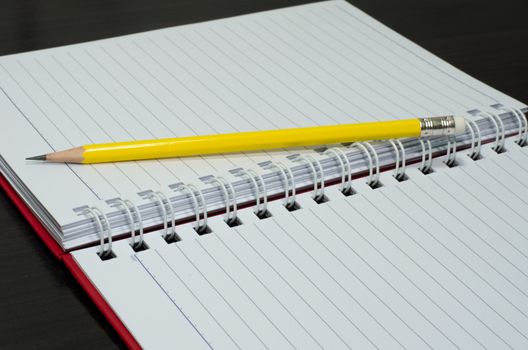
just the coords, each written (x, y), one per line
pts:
(437, 261)
(322, 63)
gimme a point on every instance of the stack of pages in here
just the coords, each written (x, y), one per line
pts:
(399, 244)
(319, 64)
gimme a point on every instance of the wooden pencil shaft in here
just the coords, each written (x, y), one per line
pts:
(252, 141)
(237, 142)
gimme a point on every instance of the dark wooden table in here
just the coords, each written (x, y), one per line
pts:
(41, 306)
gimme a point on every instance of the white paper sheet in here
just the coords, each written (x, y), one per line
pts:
(437, 261)
(322, 63)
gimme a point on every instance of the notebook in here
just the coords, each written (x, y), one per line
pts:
(240, 250)
(436, 261)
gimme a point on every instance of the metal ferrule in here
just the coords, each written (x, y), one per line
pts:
(438, 126)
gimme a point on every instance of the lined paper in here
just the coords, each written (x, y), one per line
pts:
(317, 64)
(437, 261)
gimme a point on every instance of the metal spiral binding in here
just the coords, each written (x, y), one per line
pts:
(288, 183)
(346, 169)
(373, 178)
(229, 216)
(475, 139)
(260, 208)
(450, 158)
(130, 207)
(523, 124)
(161, 199)
(399, 171)
(499, 130)
(200, 224)
(318, 174)
(427, 156)
(101, 221)
(288, 180)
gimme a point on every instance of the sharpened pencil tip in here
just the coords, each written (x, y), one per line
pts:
(41, 157)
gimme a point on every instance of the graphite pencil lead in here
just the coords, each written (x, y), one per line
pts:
(41, 157)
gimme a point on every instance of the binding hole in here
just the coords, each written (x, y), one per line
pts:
(321, 199)
(293, 206)
(376, 185)
(174, 238)
(107, 255)
(264, 214)
(203, 230)
(347, 192)
(402, 177)
(140, 246)
(234, 222)
(427, 171)
(475, 157)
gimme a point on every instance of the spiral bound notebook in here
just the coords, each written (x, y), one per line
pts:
(438, 261)
(247, 250)
(322, 63)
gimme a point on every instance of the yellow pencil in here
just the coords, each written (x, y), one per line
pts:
(256, 140)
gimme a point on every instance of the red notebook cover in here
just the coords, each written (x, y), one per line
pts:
(72, 266)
